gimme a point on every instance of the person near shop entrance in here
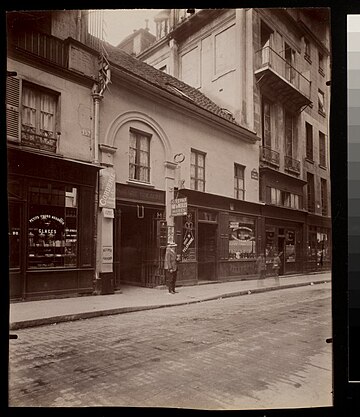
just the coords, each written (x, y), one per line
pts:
(261, 266)
(170, 266)
(276, 265)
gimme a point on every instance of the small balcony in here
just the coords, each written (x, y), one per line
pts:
(277, 77)
(269, 156)
(44, 141)
(292, 165)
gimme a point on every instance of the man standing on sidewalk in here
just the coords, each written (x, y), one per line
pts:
(261, 267)
(170, 266)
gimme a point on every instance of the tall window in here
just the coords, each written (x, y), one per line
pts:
(197, 170)
(307, 53)
(309, 141)
(289, 134)
(324, 202)
(322, 149)
(321, 64)
(290, 63)
(239, 182)
(266, 123)
(321, 102)
(265, 39)
(310, 192)
(139, 156)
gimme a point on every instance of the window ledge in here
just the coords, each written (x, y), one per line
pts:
(322, 167)
(140, 183)
(322, 113)
(311, 161)
(321, 72)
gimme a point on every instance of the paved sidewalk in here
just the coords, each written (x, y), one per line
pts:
(37, 313)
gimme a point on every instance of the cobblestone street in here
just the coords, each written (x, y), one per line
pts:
(261, 350)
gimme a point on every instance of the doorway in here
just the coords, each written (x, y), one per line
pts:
(16, 260)
(138, 255)
(207, 251)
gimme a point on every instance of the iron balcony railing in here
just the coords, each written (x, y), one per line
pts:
(269, 155)
(45, 141)
(42, 45)
(292, 164)
(268, 57)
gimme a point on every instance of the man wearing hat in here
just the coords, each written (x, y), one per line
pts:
(170, 266)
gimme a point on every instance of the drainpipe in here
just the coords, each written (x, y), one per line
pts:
(78, 26)
(97, 97)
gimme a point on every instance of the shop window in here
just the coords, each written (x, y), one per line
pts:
(242, 238)
(239, 182)
(270, 242)
(323, 246)
(309, 141)
(312, 244)
(52, 225)
(139, 156)
(197, 170)
(322, 149)
(188, 250)
(290, 253)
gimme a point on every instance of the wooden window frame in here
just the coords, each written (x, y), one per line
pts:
(196, 179)
(239, 192)
(137, 163)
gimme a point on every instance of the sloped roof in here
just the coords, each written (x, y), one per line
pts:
(165, 81)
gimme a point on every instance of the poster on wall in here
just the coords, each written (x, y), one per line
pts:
(188, 252)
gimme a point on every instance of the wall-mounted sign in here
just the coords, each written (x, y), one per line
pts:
(254, 174)
(108, 213)
(179, 207)
(107, 254)
(107, 188)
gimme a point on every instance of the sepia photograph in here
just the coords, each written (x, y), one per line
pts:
(169, 208)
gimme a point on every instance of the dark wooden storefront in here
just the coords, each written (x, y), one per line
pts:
(204, 238)
(140, 236)
(51, 226)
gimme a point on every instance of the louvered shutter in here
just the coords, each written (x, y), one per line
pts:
(13, 86)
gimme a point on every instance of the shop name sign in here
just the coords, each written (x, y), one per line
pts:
(107, 188)
(179, 207)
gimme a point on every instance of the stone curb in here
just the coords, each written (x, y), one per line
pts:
(121, 310)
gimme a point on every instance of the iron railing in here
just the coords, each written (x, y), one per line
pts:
(268, 57)
(44, 141)
(292, 164)
(269, 155)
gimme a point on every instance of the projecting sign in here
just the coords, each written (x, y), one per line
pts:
(179, 207)
(107, 188)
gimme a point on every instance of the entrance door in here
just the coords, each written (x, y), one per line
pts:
(139, 261)
(206, 251)
(16, 266)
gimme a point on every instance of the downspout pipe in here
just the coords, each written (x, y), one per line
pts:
(78, 25)
(97, 97)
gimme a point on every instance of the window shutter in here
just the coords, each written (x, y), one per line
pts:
(223, 251)
(13, 89)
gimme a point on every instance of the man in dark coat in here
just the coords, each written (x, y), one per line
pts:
(170, 266)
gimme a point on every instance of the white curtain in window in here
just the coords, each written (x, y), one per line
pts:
(47, 113)
(28, 107)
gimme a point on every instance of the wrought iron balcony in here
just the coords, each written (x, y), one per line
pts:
(45, 141)
(276, 76)
(292, 164)
(269, 156)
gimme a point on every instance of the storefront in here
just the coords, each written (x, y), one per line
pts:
(218, 239)
(140, 236)
(51, 225)
(318, 243)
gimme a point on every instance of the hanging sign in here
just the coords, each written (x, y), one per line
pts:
(179, 207)
(254, 174)
(108, 213)
(107, 188)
